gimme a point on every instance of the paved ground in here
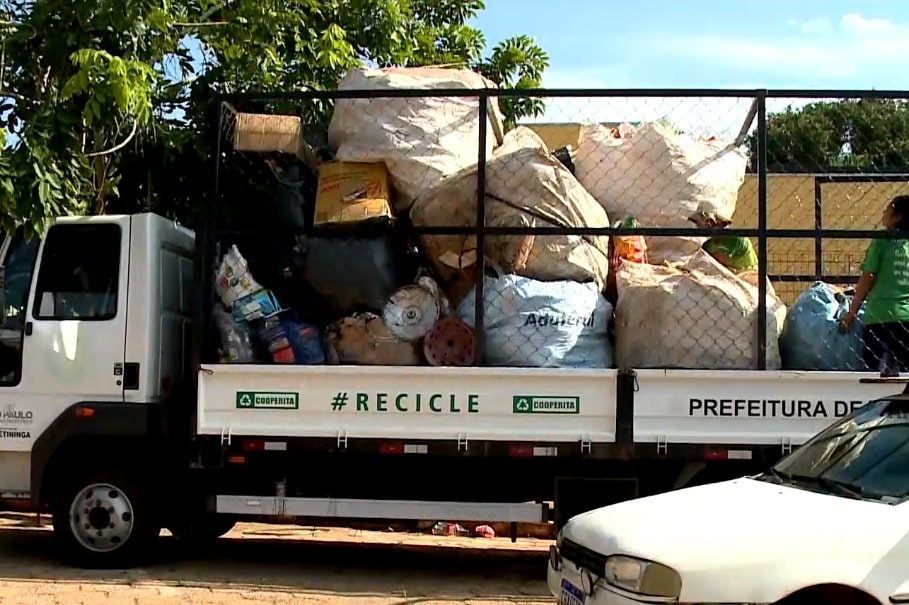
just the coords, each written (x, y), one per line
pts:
(279, 564)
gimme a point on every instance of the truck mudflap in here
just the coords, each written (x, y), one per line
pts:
(745, 407)
(378, 402)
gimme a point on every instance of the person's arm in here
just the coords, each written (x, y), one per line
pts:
(870, 267)
(862, 288)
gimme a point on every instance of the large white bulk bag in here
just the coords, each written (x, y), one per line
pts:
(529, 323)
(420, 139)
(660, 177)
(700, 316)
(525, 186)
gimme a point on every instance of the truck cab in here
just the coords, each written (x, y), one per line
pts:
(96, 319)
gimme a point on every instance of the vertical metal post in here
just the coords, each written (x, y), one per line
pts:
(818, 230)
(481, 232)
(761, 153)
(183, 416)
(206, 241)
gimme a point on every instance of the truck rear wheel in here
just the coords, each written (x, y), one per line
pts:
(103, 520)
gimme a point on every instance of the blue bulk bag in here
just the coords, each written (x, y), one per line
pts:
(530, 323)
(812, 338)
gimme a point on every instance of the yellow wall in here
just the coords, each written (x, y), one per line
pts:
(790, 205)
(557, 134)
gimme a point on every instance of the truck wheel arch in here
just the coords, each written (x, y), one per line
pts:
(90, 429)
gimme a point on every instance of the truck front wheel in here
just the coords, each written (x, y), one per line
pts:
(104, 520)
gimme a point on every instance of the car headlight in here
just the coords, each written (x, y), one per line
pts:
(555, 556)
(642, 577)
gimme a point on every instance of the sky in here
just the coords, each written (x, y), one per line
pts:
(829, 44)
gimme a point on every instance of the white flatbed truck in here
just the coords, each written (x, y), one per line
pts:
(109, 420)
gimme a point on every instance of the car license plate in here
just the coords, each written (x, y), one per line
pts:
(571, 594)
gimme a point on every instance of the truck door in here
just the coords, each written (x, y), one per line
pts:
(62, 339)
(75, 331)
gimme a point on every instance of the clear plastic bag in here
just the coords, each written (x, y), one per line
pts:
(236, 343)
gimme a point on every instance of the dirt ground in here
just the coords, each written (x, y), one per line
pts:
(259, 563)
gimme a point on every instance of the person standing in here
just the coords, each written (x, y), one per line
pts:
(884, 289)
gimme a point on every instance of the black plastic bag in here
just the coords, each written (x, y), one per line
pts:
(356, 271)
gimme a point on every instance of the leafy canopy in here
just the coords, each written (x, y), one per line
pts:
(869, 134)
(107, 106)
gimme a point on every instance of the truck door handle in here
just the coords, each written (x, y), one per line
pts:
(28, 328)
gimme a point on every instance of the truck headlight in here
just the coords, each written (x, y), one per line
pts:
(642, 577)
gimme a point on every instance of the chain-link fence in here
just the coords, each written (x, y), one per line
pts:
(630, 229)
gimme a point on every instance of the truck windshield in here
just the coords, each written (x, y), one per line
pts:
(865, 455)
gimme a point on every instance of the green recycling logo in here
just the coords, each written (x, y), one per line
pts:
(521, 405)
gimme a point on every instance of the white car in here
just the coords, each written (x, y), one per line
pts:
(827, 525)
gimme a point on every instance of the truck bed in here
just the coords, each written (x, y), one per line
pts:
(528, 405)
(378, 402)
(745, 407)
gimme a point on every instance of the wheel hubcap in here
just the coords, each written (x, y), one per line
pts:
(101, 517)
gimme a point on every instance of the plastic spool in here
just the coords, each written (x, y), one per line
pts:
(411, 312)
(450, 343)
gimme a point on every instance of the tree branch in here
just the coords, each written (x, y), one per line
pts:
(16, 96)
(202, 24)
(16, 25)
(118, 146)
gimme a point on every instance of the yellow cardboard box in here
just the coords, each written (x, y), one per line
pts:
(352, 192)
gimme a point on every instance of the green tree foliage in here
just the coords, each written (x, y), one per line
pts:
(106, 109)
(867, 134)
(78, 80)
(516, 63)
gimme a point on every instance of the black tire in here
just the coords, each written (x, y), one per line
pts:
(202, 529)
(118, 499)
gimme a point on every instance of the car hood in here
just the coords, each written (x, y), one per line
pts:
(727, 533)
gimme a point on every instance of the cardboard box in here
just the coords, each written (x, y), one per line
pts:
(352, 192)
(264, 133)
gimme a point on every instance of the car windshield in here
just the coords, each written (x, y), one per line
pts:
(865, 455)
